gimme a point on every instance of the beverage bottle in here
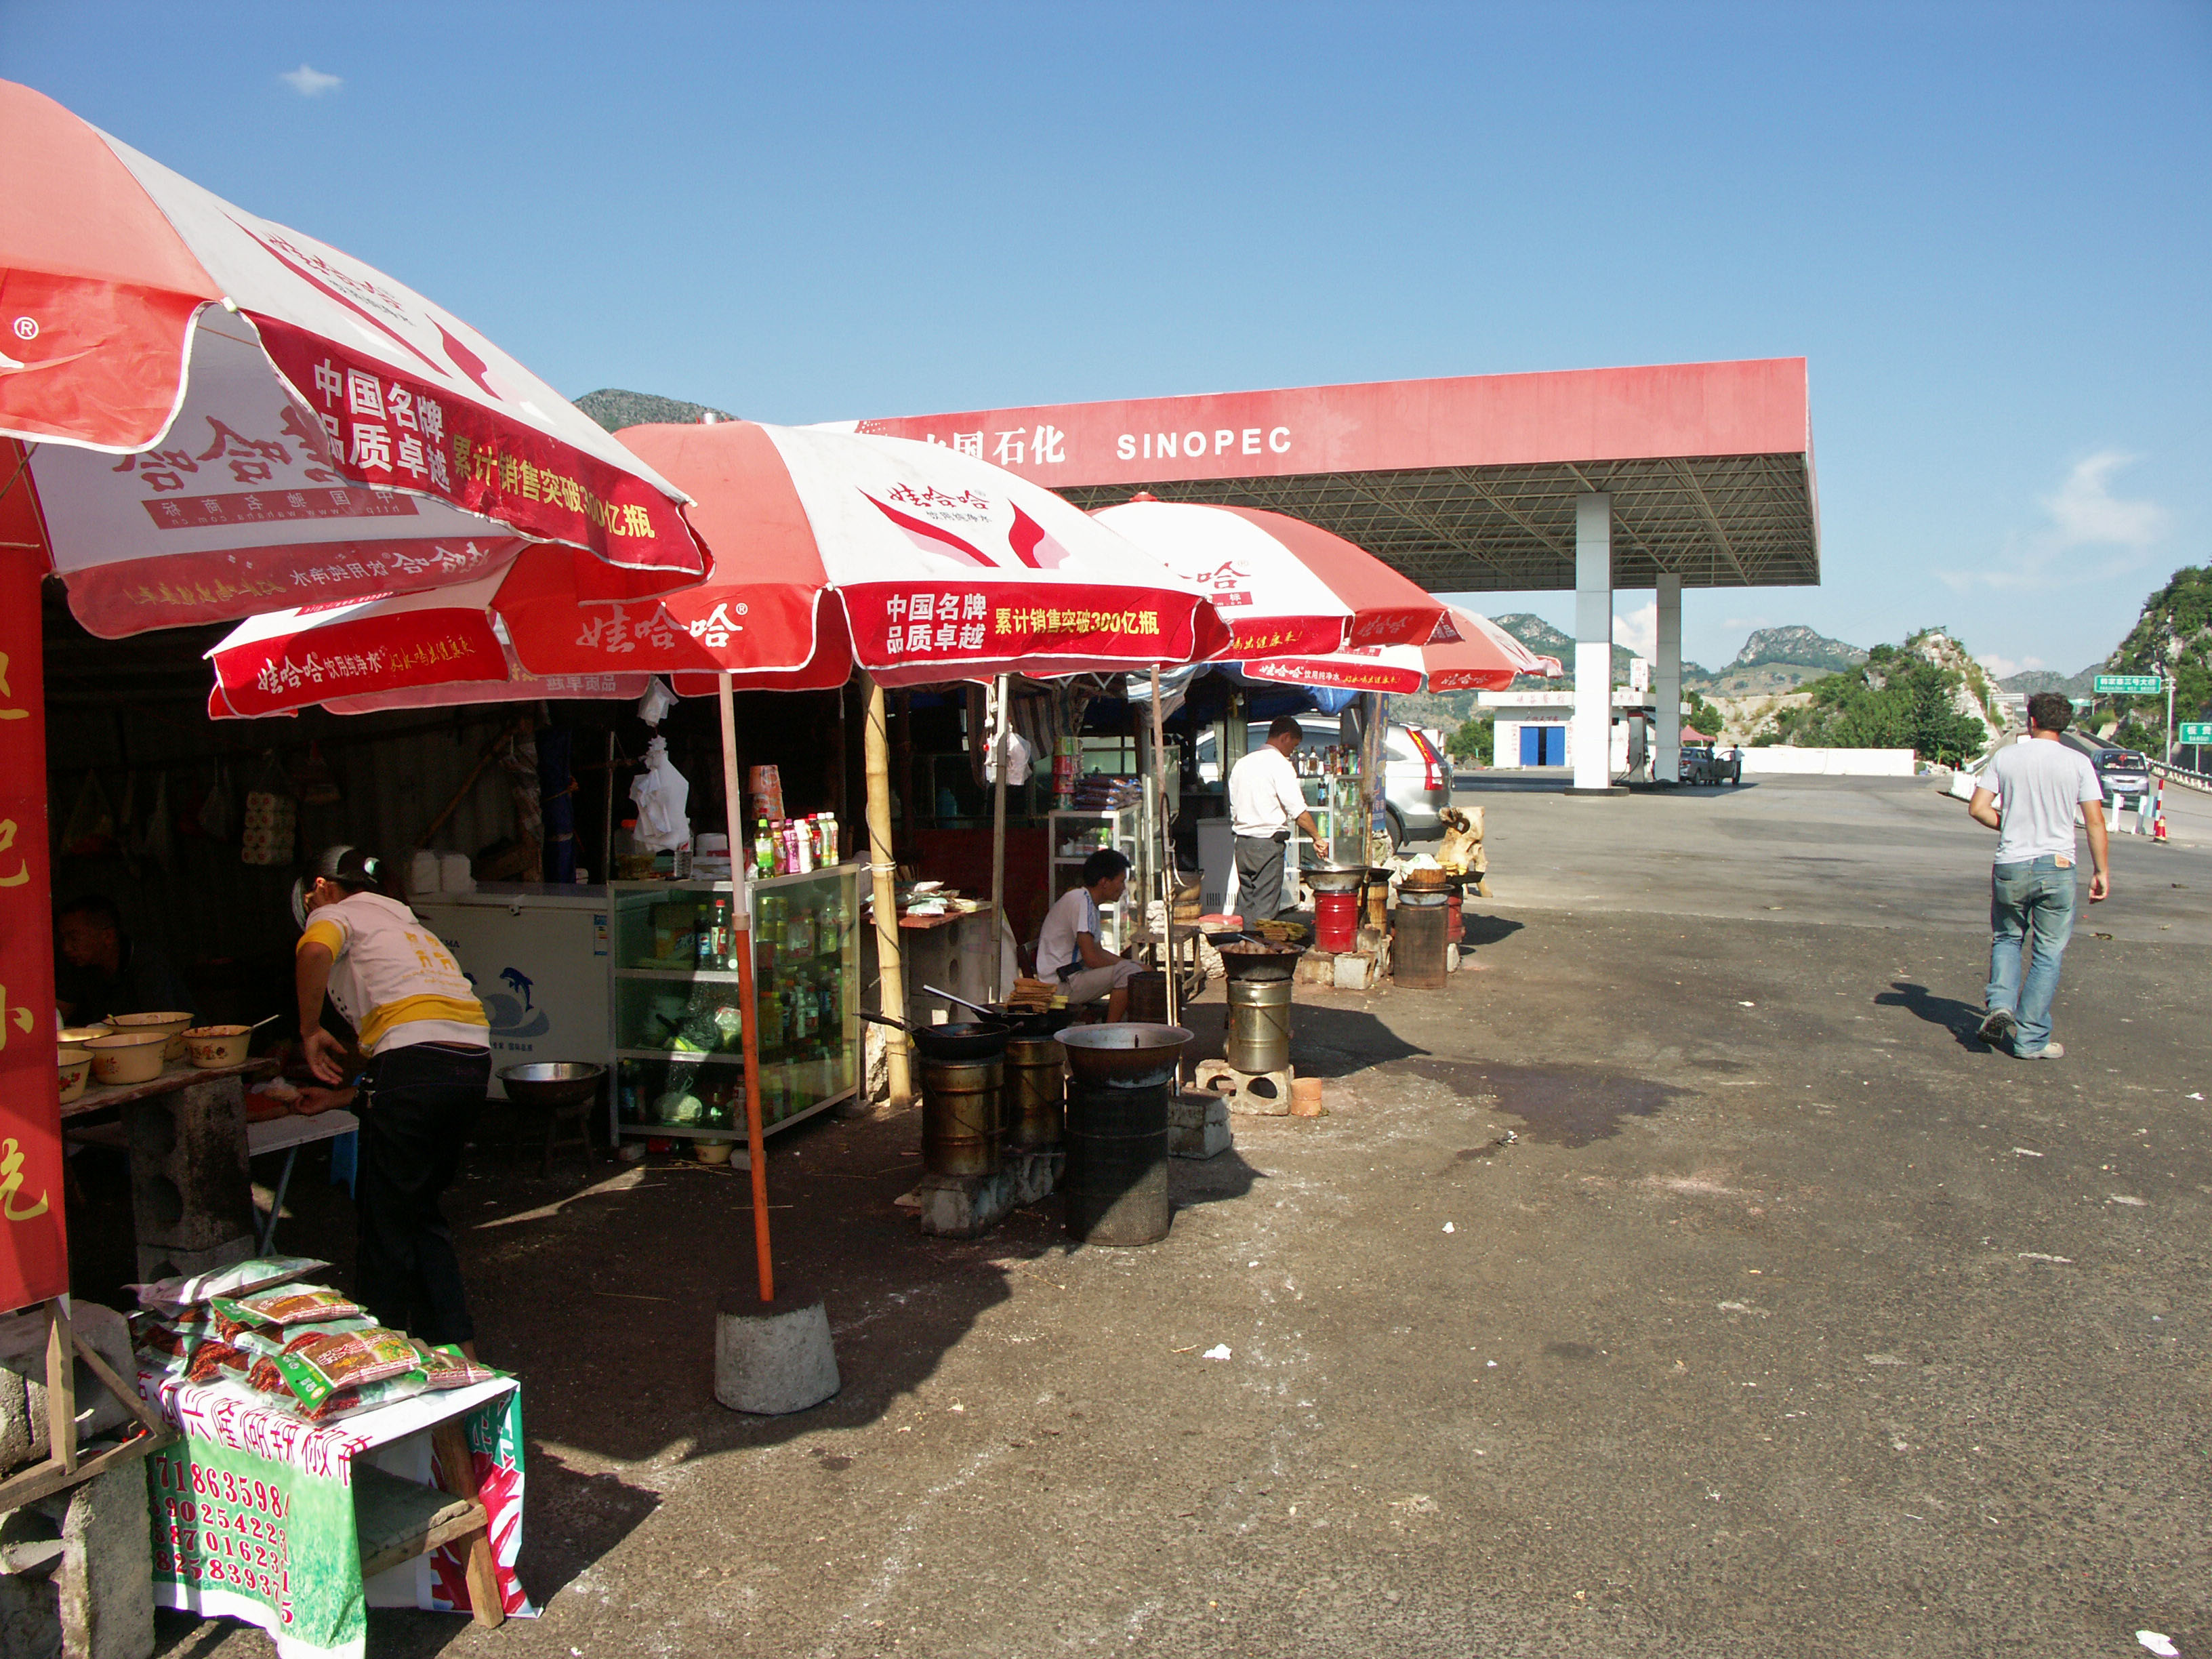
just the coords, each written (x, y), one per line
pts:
(764, 854)
(806, 850)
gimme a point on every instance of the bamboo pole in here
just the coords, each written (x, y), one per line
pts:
(741, 946)
(890, 971)
(1167, 858)
(999, 728)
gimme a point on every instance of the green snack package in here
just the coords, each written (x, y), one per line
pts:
(316, 1367)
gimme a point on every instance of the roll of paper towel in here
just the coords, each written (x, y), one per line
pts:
(453, 875)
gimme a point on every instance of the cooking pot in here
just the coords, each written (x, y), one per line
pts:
(964, 1040)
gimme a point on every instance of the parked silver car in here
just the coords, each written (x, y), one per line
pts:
(1416, 774)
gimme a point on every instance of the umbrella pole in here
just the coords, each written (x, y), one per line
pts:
(741, 946)
(1167, 857)
(890, 971)
(998, 834)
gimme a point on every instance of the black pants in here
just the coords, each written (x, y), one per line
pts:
(1260, 877)
(418, 1106)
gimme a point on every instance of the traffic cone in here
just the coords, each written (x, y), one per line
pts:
(2158, 813)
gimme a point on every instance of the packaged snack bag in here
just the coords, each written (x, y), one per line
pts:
(367, 1397)
(171, 1296)
(288, 1305)
(212, 1359)
(448, 1367)
(319, 1366)
(267, 1341)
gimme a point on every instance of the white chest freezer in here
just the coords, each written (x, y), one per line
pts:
(537, 957)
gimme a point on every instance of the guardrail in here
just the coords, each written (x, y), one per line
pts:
(2182, 776)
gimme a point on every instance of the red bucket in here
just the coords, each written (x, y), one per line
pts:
(1454, 923)
(1336, 921)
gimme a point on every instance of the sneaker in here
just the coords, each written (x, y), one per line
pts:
(1996, 1026)
(2048, 1051)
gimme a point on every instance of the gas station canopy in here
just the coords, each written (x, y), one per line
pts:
(1467, 484)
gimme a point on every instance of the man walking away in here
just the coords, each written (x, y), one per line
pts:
(1265, 799)
(2029, 794)
(418, 1019)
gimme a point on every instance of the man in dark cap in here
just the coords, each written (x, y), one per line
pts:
(426, 1038)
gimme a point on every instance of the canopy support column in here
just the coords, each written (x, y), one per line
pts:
(1593, 722)
(1667, 683)
(890, 968)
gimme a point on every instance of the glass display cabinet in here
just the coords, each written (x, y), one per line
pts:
(1075, 834)
(679, 1017)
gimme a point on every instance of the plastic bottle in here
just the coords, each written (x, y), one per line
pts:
(763, 851)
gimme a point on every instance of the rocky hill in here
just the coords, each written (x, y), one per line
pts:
(2173, 635)
(614, 409)
(1799, 647)
(2029, 681)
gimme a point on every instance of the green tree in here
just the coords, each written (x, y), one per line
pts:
(2173, 637)
(1896, 700)
(1702, 715)
(1472, 741)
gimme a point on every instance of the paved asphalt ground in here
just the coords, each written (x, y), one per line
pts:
(1683, 1280)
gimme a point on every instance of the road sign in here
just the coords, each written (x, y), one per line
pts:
(2194, 732)
(2129, 685)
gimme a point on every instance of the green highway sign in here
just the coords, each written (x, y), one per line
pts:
(2129, 685)
(2195, 732)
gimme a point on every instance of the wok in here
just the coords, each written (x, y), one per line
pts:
(1024, 1021)
(1128, 1054)
(965, 1040)
(552, 1085)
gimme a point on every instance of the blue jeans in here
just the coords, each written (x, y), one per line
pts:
(2036, 897)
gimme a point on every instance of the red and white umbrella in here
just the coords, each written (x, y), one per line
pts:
(910, 560)
(223, 415)
(1285, 587)
(941, 565)
(1467, 653)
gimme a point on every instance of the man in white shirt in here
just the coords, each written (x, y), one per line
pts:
(1068, 951)
(2029, 794)
(1265, 799)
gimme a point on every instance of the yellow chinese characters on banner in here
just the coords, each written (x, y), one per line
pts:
(34, 1249)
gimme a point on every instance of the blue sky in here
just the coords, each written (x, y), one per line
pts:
(1986, 227)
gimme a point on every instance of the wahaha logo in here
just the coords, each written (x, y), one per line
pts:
(356, 293)
(1026, 540)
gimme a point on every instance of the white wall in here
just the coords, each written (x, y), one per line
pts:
(1830, 763)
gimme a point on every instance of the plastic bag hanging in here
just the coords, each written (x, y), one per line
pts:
(662, 798)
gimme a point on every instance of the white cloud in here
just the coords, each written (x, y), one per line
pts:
(311, 83)
(2004, 668)
(2086, 512)
(2082, 513)
(1638, 629)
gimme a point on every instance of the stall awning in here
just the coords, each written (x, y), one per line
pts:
(1466, 484)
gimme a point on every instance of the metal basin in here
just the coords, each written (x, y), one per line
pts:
(552, 1085)
(1129, 1053)
(1323, 879)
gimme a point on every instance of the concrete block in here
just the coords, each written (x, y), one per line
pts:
(106, 1577)
(1198, 1125)
(1253, 1094)
(967, 1206)
(30, 1601)
(158, 1261)
(1451, 958)
(773, 1358)
(1354, 971)
(189, 1186)
(23, 1379)
(1315, 968)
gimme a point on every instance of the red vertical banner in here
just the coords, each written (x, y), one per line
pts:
(34, 1247)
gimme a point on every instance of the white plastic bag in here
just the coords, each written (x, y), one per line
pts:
(662, 797)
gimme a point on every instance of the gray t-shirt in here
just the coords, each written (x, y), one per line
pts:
(2039, 784)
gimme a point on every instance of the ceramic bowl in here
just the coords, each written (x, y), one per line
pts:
(210, 1046)
(711, 1151)
(127, 1056)
(171, 1026)
(80, 1034)
(75, 1070)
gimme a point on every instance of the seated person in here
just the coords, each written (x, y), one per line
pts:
(1068, 950)
(104, 971)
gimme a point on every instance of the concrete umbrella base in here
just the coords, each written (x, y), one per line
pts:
(772, 1358)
